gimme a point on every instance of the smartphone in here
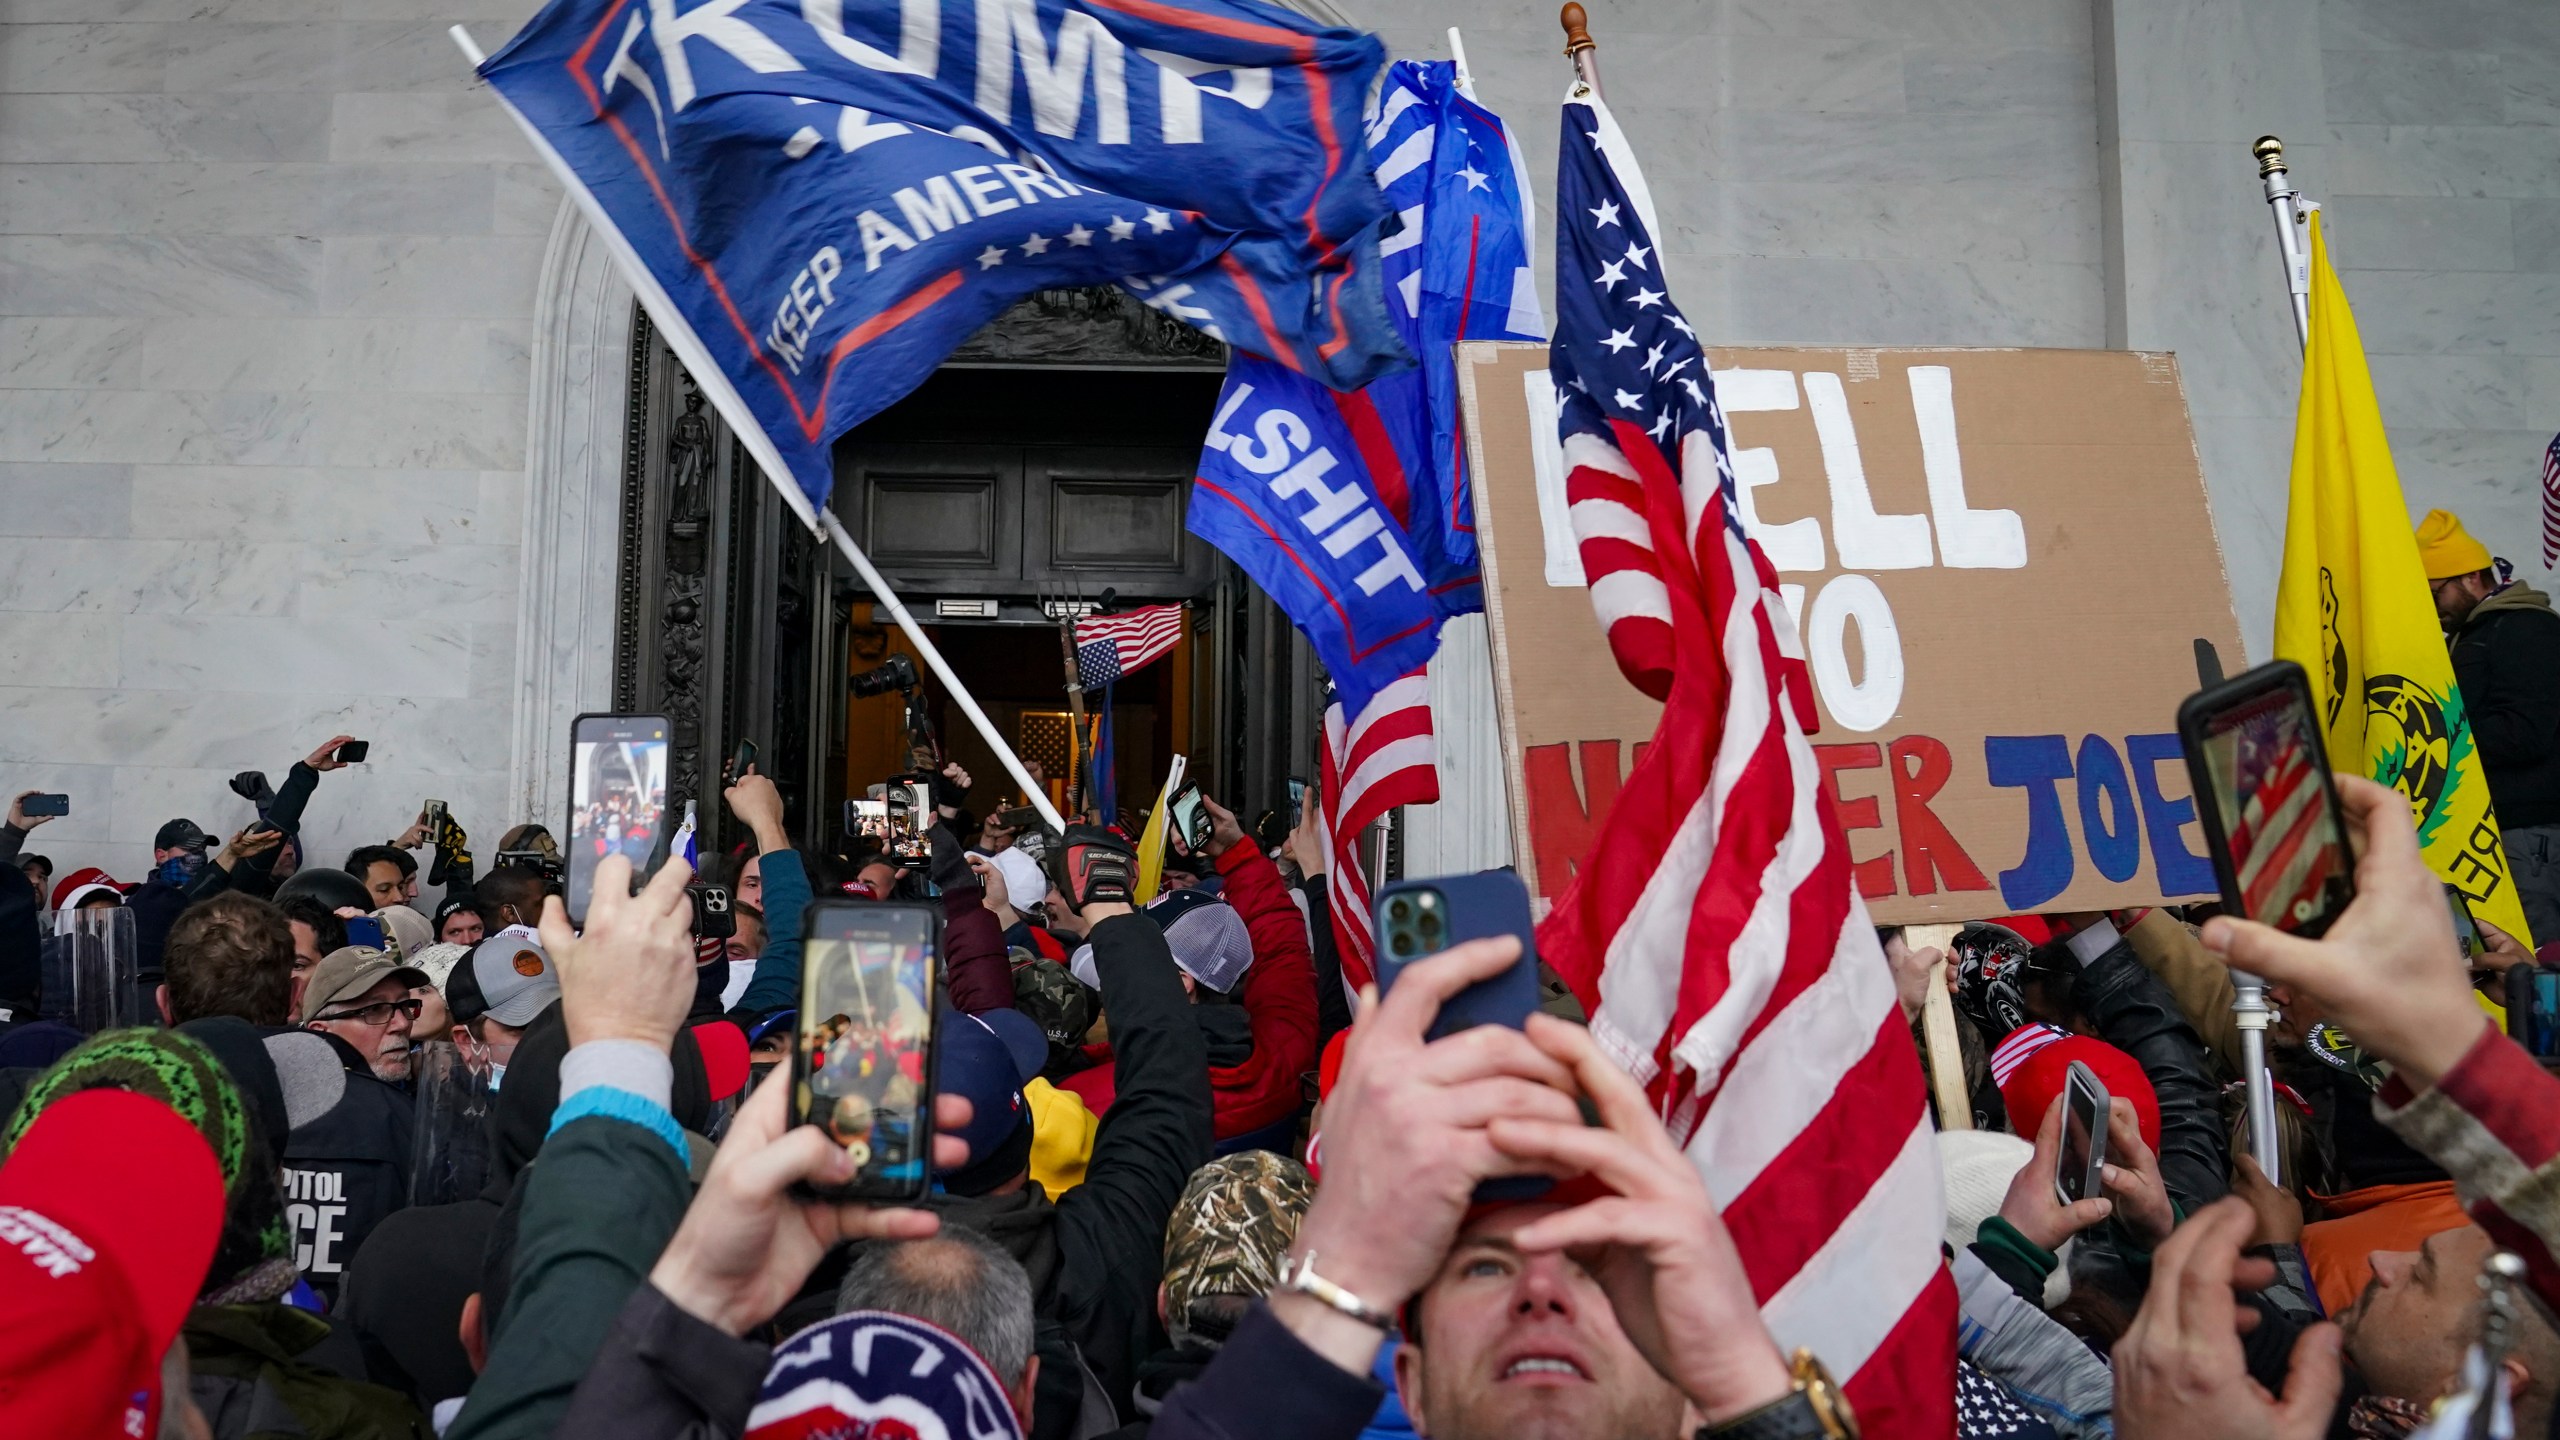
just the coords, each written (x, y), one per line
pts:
(2465, 932)
(366, 931)
(741, 759)
(2270, 809)
(2082, 1165)
(354, 751)
(1416, 919)
(863, 1068)
(1297, 802)
(1189, 819)
(433, 816)
(617, 799)
(35, 805)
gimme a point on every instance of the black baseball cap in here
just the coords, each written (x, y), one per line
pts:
(180, 835)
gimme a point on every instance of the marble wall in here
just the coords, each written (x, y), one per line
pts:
(269, 272)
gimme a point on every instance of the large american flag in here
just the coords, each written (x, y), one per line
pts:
(1713, 934)
(1373, 762)
(1110, 646)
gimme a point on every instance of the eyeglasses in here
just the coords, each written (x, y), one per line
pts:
(378, 1014)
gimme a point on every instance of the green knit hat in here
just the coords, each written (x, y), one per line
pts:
(254, 1260)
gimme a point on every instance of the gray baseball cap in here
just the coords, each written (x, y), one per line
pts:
(508, 977)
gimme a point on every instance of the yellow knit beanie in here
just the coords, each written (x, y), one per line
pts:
(2446, 549)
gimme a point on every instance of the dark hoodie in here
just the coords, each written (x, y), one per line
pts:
(2506, 657)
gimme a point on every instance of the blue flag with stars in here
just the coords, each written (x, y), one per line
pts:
(818, 202)
(1351, 509)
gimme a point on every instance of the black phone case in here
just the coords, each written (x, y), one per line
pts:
(812, 925)
(2194, 713)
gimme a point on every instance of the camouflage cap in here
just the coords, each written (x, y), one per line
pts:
(1056, 1001)
(1230, 1230)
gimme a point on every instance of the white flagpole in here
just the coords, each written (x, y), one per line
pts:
(2249, 1012)
(733, 408)
(2290, 218)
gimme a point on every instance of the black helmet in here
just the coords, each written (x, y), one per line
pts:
(334, 888)
(1990, 963)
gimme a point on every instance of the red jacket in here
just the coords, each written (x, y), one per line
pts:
(2493, 1120)
(1279, 999)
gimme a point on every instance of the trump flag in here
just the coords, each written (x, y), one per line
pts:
(1350, 508)
(818, 202)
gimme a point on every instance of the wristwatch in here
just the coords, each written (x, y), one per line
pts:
(1299, 1275)
(1815, 1410)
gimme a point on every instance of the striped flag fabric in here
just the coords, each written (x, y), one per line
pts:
(1110, 646)
(1713, 934)
(2551, 505)
(1382, 758)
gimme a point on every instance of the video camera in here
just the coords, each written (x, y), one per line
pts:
(898, 673)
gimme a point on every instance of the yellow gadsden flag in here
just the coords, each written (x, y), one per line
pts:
(2353, 609)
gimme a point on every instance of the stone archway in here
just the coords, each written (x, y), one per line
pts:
(572, 529)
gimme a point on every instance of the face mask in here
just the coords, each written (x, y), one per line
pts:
(180, 868)
(497, 1073)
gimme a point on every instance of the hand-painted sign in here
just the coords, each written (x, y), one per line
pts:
(1998, 561)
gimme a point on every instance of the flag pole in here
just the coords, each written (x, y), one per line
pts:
(2290, 211)
(1075, 706)
(1578, 46)
(742, 422)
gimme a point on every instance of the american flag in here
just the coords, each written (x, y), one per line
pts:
(1713, 934)
(2280, 841)
(1384, 758)
(1110, 646)
(2551, 505)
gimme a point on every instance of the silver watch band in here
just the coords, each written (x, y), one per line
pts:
(1300, 1277)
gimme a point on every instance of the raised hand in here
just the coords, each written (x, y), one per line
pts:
(630, 975)
(2388, 971)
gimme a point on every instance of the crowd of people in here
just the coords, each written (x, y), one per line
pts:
(1185, 1185)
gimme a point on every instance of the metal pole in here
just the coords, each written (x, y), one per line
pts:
(2286, 201)
(941, 668)
(1579, 48)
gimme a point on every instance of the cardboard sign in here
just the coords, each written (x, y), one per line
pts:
(2000, 562)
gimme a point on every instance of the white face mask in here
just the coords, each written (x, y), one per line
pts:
(497, 1073)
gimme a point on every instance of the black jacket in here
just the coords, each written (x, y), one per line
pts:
(256, 875)
(344, 1170)
(2506, 658)
(2130, 1009)
(664, 1375)
(1095, 1256)
(1267, 1383)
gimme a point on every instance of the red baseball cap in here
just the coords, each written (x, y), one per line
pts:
(109, 1210)
(724, 1057)
(2040, 1070)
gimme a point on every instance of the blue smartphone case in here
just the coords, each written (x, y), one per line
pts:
(1469, 907)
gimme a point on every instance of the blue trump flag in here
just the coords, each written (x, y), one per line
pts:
(818, 202)
(1351, 508)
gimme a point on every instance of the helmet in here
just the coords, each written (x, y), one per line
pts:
(1990, 963)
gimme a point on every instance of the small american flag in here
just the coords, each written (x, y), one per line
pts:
(1110, 646)
(1384, 758)
(1713, 935)
(2551, 505)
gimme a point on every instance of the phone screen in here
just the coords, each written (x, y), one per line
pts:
(1297, 802)
(617, 797)
(863, 1069)
(1189, 819)
(2465, 933)
(2288, 849)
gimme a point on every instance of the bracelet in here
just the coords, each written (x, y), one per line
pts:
(1299, 1276)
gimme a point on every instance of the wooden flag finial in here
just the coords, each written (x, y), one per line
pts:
(1577, 34)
